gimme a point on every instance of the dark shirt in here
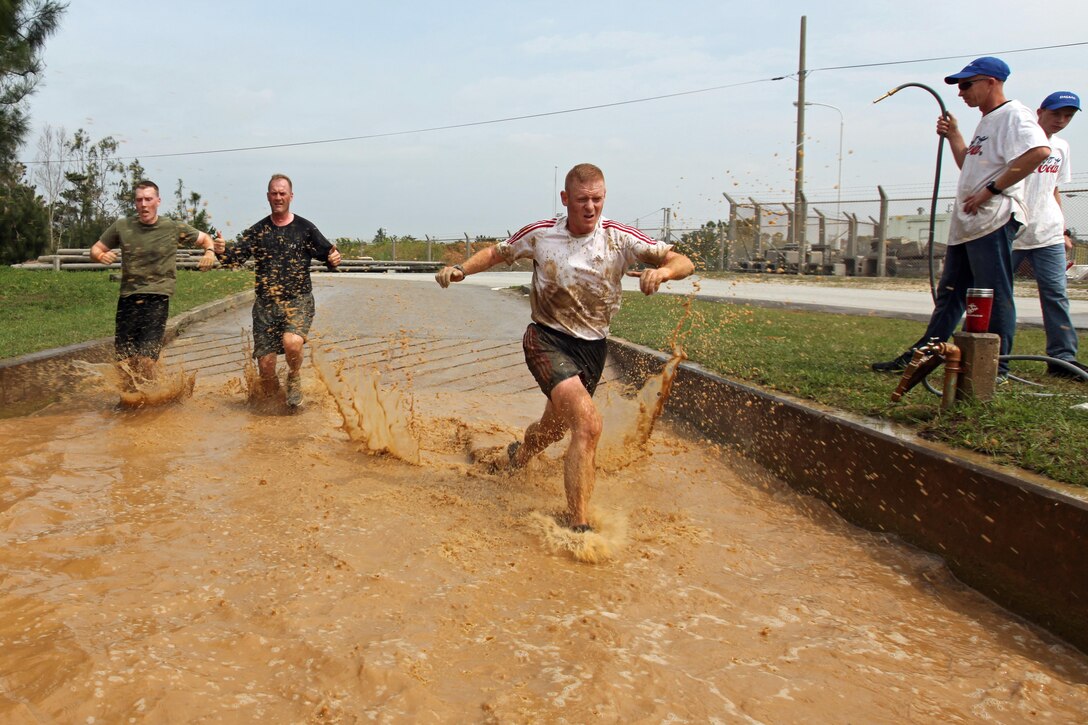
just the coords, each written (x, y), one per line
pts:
(282, 254)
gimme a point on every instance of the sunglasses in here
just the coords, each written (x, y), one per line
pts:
(964, 85)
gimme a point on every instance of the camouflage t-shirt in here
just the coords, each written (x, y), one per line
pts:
(148, 253)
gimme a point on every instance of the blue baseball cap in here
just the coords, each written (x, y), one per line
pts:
(987, 65)
(1060, 99)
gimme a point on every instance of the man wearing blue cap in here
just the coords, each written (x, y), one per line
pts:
(1042, 242)
(1007, 146)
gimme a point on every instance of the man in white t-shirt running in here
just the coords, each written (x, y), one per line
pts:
(1007, 146)
(1042, 242)
(579, 261)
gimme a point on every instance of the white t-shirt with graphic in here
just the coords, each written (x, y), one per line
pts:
(1003, 134)
(576, 280)
(1047, 221)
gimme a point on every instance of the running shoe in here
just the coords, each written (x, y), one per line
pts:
(294, 390)
(1059, 371)
(897, 365)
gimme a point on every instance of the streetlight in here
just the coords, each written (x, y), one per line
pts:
(838, 196)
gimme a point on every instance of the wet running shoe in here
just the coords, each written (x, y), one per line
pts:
(1058, 371)
(294, 390)
(897, 365)
(511, 453)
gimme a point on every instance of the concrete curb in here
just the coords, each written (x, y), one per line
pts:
(31, 381)
(1018, 538)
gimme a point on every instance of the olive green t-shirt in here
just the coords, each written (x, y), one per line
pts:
(148, 261)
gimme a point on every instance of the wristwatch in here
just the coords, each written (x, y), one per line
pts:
(460, 269)
(992, 188)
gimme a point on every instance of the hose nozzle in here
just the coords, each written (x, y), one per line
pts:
(892, 92)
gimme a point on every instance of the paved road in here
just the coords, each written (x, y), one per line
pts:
(459, 341)
(891, 303)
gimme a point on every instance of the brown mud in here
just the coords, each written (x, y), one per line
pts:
(213, 561)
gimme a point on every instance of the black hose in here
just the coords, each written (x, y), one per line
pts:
(936, 180)
(1050, 361)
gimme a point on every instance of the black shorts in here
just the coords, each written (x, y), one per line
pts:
(141, 325)
(554, 356)
(272, 318)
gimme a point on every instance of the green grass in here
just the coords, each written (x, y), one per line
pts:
(42, 310)
(825, 358)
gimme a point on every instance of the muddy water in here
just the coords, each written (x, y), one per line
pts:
(213, 561)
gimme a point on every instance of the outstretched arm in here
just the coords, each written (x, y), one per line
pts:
(209, 244)
(482, 261)
(675, 266)
(237, 253)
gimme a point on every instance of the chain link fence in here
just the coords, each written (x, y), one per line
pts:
(857, 237)
(841, 237)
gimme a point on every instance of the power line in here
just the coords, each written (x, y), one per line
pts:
(579, 109)
(946, 57)
(469, 124)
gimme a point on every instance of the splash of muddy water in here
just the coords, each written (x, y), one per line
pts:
(208, 562)
(373, 415)
(629, 425)
(627, 432)
(166, 385)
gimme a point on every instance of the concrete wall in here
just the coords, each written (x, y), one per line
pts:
(1020, 539)
(32, 381)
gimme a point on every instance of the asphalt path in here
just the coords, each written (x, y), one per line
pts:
(844, 300)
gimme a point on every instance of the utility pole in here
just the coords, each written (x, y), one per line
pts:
(555, 191)
(731, 235)
(882, 240)
(799, 211)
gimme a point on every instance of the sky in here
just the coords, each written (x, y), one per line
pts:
(170, 81)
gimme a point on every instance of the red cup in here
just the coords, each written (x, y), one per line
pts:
(979, 303)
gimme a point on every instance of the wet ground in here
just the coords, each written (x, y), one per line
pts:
(219, 561)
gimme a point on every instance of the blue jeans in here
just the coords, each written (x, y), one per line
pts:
(1048, 263)
(983, 262)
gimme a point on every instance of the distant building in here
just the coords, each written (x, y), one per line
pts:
(915, 227)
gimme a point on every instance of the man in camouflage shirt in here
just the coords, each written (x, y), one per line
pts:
(148, 245)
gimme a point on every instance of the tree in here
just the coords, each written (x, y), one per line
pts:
(50, 166)
(24, 27)
(87, 204)
(125, 196)
(23, 220)
(191, 209)
(89, 187)
(704, 244)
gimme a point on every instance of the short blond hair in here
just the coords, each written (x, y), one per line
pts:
(285, 177)
(582, 173)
